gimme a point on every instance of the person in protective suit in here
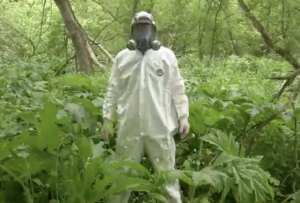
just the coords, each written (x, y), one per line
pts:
(147, 92)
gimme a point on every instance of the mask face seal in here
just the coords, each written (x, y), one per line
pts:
(143, 38)
(142, 33)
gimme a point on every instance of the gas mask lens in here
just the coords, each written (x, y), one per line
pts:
(142, 31)
(143, 35)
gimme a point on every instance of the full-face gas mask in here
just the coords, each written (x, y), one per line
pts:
(143, 32)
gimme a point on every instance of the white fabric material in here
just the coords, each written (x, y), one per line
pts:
(142, 15)
(148, 95)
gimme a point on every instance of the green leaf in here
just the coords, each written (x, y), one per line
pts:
(212, 117)
(110, 128)
(77, 111)
(223, 142)
(98, 102)
(119, 183)
(98, 149)
(27, 116)
(208, 176)
(83, 144)
(159, 197)
(132, 166)
(49, 134)
(223, 158)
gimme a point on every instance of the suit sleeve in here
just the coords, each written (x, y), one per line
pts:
(178, 90)
(110, 101)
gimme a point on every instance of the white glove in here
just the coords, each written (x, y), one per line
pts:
(184, 127)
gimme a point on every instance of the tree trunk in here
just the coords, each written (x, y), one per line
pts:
(201, 30)
(214, 34)
(134, 7)
(85, 57)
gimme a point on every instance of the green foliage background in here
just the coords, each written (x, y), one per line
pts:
(51, 115)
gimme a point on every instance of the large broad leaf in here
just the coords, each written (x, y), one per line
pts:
(223, 142)
(223, 158)
(170, 176)
(208, 176)
(250, 179)
(160, 197)
(84, 146)
(212, 117)
(77, 111)
(98, 149)
(248, 176)
(4, 149)
(112, 184)
(128, 166)
(90, 174)
(49, 134)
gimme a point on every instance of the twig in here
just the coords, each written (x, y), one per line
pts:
(41, 23)
(65, 64)
(296, 135)
(258, 127)
(286, 84)
(288, 198)
(103, 28)
(280, 77)
(111, 14)
(118, 9)
(114, 19)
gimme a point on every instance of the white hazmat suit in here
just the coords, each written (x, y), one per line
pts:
(148, 95)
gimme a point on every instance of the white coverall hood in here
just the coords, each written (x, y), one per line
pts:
(143, 31)
(143, 17)
(147, 92)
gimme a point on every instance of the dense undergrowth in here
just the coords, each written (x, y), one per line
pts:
(51, 149)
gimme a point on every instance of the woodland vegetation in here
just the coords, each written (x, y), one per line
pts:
(240, 62)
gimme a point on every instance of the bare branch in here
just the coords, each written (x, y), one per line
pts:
(258, 26)
(111, 14)
(286, 84)
(64, 65)
(295, 135)
(102, 49)
(106, 26)
(280, 77)
(21, 34)
(260, 126)
(118, 9)
(280, 51)
(94, 58)
(42, 22)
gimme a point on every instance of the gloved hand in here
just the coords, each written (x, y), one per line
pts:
(184, 127)
(105, 131)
